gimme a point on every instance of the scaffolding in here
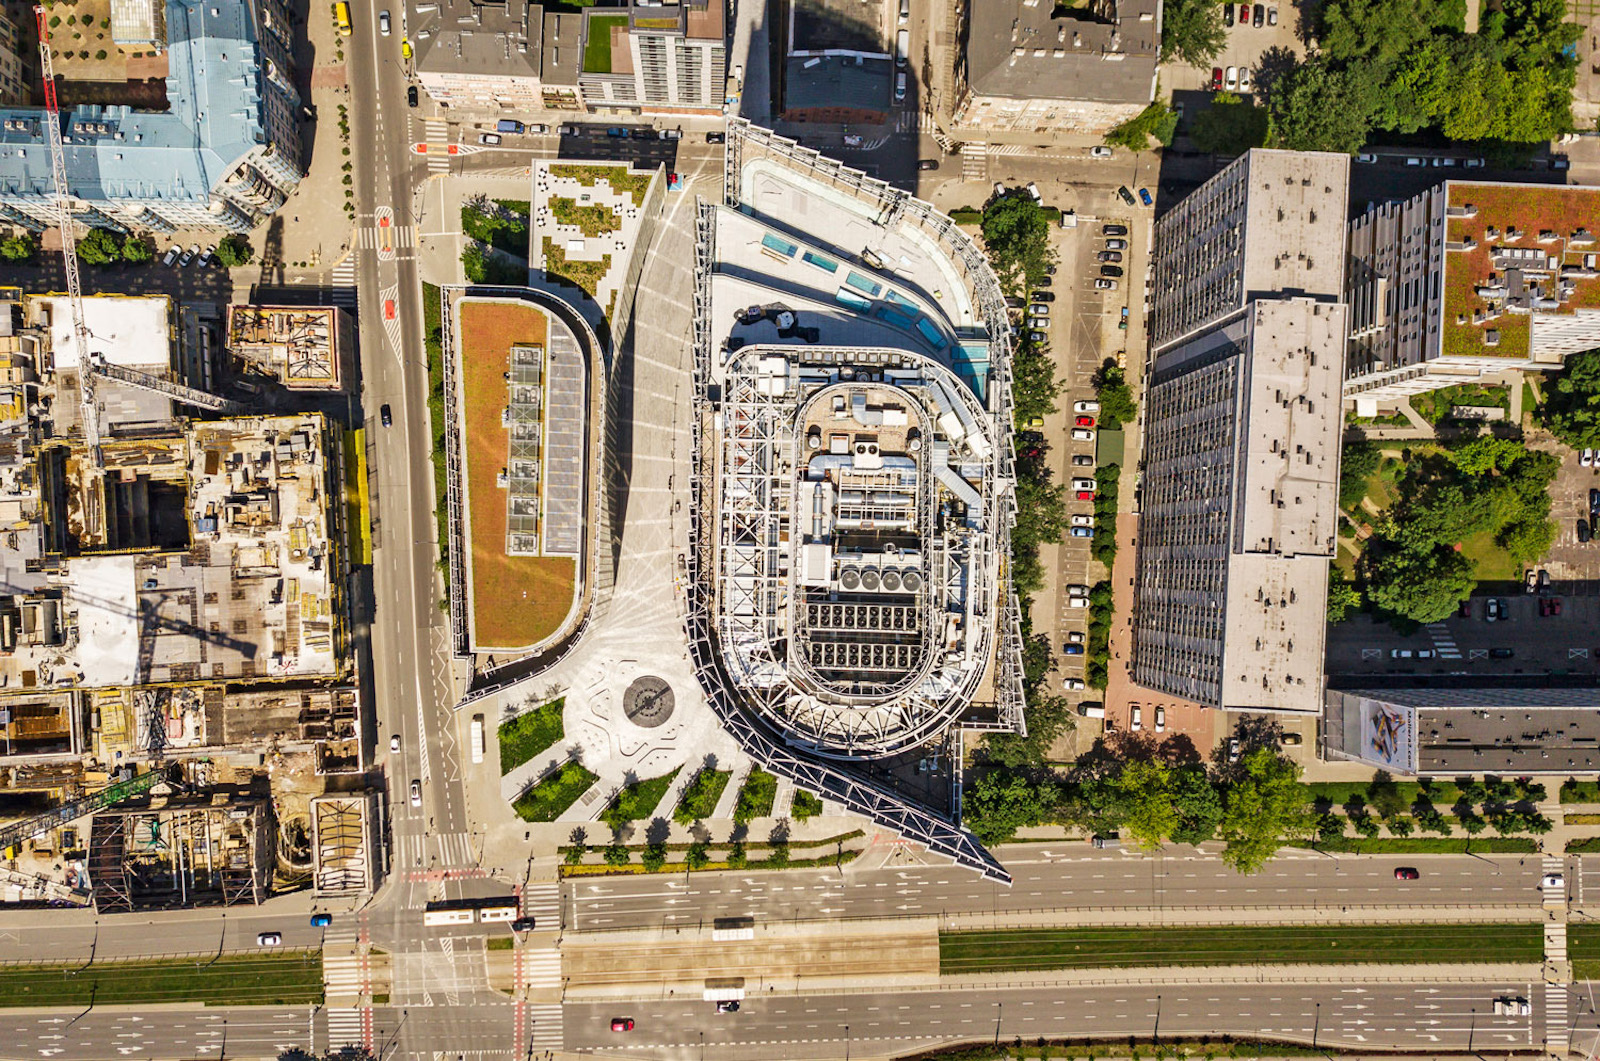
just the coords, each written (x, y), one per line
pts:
(170, 857)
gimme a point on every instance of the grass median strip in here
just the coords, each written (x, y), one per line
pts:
(285, 978)
(1121, 948)
(1583, 950)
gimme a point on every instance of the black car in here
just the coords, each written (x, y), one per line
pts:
(1126, 196)
(1114, 230)
(1260, 16)
(522, 924)
(411, 95)
(1016, 302)
(1044, 296)
(1584, 530)
(1109, 256)
(716, 138)
(1465, 609)
(1049, 270)
(1594, 503)
(388, 419)
(928, 163)
(1500, 653)
(1111, 270)
(1227, 14)
(1045, 281)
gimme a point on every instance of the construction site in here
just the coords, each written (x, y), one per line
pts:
(298, 347)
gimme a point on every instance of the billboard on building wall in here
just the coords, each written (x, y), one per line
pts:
(1389, 735)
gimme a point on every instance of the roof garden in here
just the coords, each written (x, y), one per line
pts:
(597, 50)
(1514, 250)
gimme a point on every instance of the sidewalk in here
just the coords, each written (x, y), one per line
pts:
(311, 229)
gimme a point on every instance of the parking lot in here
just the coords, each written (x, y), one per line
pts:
(1243, 50)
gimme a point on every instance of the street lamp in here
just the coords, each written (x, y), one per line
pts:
(997, 1010)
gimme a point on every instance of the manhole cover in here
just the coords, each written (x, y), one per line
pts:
(648, 702)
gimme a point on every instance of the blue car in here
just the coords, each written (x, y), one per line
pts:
(1082, 532)
(321, 920)
(1072, 650)
(1144, 197)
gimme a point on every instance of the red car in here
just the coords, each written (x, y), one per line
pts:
(1216, 79)
(1085, 495)
(388, 309)
(1405, 873)
(1084, 421)
(622, 1024)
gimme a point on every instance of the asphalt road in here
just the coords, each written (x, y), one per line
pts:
(98, 1034)
(1441, 1016)
(1069, 877)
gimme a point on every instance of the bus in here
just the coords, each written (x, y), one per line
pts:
(467, 911)
(341, 12)
(477, 738)
(504, 910)
(446, 914)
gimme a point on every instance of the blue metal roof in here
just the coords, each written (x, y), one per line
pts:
(214, 118)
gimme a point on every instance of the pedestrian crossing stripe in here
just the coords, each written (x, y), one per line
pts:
(544, 1025)
(541, 968)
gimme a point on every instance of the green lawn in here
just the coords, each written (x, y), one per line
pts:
(638, 800)
(1099, 948)
(1583, 948)
(527, 735)
(597, 53)
(756, 796)
(283, 978)
(546, 801)
(500, 943)
(1589, 845)
(701, 796)
(1490, 563)
(1441, 793)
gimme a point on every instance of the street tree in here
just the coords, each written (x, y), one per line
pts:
(1150, 813)
(1002, 801)
(234, 250)
(18, 247)
(1230, 126)
(1265, 805)
(99, 247)
(1192, 32)
(1016, 233)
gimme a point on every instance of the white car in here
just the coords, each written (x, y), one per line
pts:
(1100, 152)
(1135, 718)
(1077, 591)
(394, 743)
(205, 259)
(1587, 460)
(1072, 683)
(1086, 407)
(1083, 434)
(1083, 484)
(1512, 1007)
(1161, 718)
(383, 23)
(1081, 520)
(268, 939)
(1039, 309)
(172, 255)
(1475, 163)
(1232, 78)
(1033, 190)
(1367, 157)
(416, 793)
(1077, 602)
(1244, 79)
(1553, 880)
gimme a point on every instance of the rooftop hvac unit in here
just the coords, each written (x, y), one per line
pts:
(870, 580)
(850, 578)
(911, 581)
(891, 581)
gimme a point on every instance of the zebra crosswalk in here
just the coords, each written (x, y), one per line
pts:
(370, 239)
(349, 1027)
(1443, 643)
(541, 900)
(540, 967)
(1556, 1029)
(544, 1025)
(344, 283)
(974, 162)
(437, 135)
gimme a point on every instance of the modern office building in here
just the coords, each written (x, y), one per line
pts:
(1238, 496)
(1026, 66)
(1467, 279)
(224, 155)
(1446, 732)
(479, 56)
(655, 59)
(14, 69)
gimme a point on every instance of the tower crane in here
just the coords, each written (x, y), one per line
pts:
(69, 249)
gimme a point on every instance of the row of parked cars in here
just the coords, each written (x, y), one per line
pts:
(176, 255)
(1257, 16)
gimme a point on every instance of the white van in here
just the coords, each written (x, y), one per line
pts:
(905, 11)
(1092, 710)
(902, 46)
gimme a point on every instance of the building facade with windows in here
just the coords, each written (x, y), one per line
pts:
(224, 155)
(661, 59)
(14, 69)
(1239, 489)
(1468, 279)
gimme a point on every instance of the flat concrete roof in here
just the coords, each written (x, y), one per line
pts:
(860, 26)
(1295, 229)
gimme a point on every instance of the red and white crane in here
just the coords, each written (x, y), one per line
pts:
(69, 248)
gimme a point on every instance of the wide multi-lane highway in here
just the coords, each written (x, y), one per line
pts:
(1442, 1016)
(1065, 877)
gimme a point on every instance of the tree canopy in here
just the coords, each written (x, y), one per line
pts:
(99, 247)
(1155, 121)
(1407, 65)
(234, 250)
(1016, 234)
(1261, 808)
(1117, 406)
(17, 248)
(1192, 31)
(1572, 404)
